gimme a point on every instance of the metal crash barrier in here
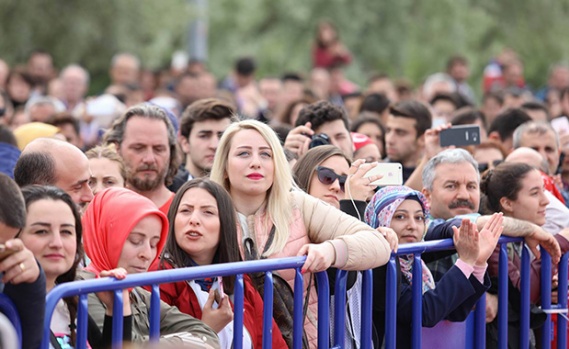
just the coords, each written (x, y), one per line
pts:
(476, 330)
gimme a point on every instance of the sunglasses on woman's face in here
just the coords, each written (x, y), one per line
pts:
(326, 176)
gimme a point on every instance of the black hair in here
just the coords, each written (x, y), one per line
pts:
(507, 122)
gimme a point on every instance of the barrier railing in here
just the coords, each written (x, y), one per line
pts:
(479, 328)
(83, 288)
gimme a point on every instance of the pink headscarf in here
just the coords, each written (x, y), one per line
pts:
(109, 220)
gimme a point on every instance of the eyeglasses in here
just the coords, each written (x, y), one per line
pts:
(327, 176)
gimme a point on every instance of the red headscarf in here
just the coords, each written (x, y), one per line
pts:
(109, 220)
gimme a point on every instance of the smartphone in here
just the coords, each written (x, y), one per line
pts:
(560, 125)
(392, 174)
(5, 253)
(460, 135)
(220, 287)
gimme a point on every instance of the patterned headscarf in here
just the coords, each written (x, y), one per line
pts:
(379, 213)
(385, 202)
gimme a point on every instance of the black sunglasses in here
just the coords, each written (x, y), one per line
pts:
(483, 166)
(327, 176)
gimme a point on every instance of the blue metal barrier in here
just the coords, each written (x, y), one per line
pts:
(83, 288)
(479, 327)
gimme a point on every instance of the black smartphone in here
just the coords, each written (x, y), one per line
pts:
(460, 135)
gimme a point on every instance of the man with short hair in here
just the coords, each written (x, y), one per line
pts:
(404, 137)
(146, 140)
(271, 91)
(40, 67)
(23, 280)
(74, 85)
(43, 109)
(201, 126)
(501, 130)
(541, 137)
(320, 118)
(125, 69)
(49, 161)
(537, 111)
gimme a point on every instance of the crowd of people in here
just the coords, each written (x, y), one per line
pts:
(173, 169)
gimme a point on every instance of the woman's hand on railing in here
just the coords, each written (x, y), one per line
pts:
(540, 237)
(108, 297)
(489, 236)
(217, 318)
(319, 257)
(391, 236)
(466, 240)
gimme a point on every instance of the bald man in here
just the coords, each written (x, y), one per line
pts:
(48, 161)
(556, 213)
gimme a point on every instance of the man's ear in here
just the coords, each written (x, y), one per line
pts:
(494, 136)
(427, 194)
(421, 141)
(184, 144)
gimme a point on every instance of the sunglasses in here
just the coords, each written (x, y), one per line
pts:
(326, 176)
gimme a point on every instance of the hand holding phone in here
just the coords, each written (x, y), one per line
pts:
(392, 173)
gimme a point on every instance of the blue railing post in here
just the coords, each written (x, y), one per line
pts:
(391, 303)
(268, 311)
(367, 298)
(155, 314)
(239, 301)
(117, 320)
(340, 308)
(298, 310)
(525, 296)
(82, 312)
(323, 309)
(562, 301)
(546, 298)
(503, 297)
(417, 288)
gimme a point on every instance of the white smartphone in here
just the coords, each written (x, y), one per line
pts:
(392, 174)
(560, 125)
(220, 286)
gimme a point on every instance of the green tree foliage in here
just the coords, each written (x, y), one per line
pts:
(405, 38)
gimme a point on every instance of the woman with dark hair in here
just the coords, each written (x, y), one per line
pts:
(53, 234)
(372, 127)
(327, 174)
(517, 190)
(202, 231)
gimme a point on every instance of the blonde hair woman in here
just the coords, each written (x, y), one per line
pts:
(278, 220)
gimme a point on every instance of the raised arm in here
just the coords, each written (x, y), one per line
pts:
(533, 235)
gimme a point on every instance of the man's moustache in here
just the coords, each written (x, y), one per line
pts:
(461, 203)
